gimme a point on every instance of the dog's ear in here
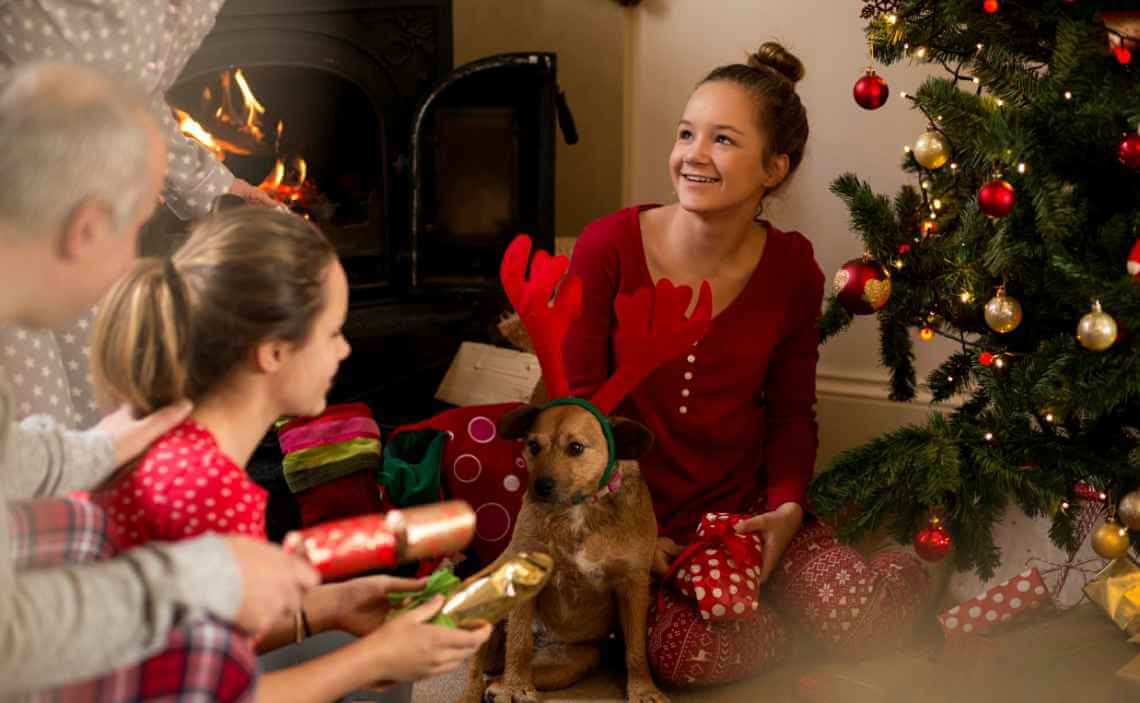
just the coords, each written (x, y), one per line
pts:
(631, 438)
(516, 423)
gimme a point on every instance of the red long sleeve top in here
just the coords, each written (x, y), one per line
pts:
(734, 419)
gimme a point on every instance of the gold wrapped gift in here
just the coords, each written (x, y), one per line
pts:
(490, 595)
(1116, 589)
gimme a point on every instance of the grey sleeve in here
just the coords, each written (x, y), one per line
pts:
(44, 459)
(194, 178)
(64, 624)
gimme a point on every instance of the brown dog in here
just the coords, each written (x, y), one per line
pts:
(602, 543)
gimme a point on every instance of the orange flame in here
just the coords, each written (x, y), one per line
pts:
(286, 181)
(219, 147)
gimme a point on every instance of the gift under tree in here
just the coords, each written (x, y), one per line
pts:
(1018, 241)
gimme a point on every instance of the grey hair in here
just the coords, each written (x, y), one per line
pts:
(69, 134)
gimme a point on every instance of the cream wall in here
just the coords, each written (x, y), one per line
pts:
(589, 37)
(673, 44)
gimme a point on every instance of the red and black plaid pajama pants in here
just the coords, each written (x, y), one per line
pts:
(204, 661)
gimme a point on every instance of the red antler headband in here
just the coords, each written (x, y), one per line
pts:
(652, 325)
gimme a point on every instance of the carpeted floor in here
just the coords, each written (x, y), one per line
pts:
(1068, 658)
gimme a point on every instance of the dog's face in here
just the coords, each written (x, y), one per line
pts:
(566, 450)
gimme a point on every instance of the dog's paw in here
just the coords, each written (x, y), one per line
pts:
(645, 693)
(499, 692)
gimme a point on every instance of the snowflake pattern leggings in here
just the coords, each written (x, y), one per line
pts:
(821, 589)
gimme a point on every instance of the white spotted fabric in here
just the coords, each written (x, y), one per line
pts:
(143, 42)
(49, 372)
(1009, 600)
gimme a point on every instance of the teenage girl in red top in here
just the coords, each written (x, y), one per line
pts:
(734, 419)
(245, 321)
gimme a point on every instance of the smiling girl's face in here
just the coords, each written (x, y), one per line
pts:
(718, 159)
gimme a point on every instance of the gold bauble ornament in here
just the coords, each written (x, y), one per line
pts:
(1110, 539)
(1003, 313)
(1129, 510)
(1097, 330)
(931, 149)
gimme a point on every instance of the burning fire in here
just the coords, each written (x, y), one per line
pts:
(240, 113)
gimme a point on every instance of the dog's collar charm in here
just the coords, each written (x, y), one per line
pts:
(611, 486)
(607, 430)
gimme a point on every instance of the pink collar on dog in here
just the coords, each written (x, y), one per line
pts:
(611, 487)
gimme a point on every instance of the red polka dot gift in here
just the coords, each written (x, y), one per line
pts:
(720, 570)
(1006, 602)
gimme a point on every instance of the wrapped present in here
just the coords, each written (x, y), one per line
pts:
(1116, 589)
(994, 607)
(486, 597)
(370, 542)
(721, 569)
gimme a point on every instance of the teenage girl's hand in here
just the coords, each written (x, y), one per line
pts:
(777, 529)
(664, 554)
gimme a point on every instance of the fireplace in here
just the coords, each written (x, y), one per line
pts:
(419, 174)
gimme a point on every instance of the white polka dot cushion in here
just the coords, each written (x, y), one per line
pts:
(482, 468)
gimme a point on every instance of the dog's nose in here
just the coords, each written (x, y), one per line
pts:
(544, 487)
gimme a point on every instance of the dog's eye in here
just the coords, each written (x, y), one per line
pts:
(575, 449)
(533, 447)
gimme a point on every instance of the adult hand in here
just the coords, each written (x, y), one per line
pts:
(407, 648)
(359, 606)
(664, 554)
(131, 436)
(777, 529)
(272, 582)
(252, 194)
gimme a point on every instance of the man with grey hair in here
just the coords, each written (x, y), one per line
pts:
(83, 163)
(145, 44)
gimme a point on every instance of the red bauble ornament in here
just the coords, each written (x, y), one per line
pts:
(997, 198)
(862, 286)
(904, 248)
(1129, 151)
(1123, 55)
(871, 91)
(986, 358)
(991, 6)
(933, 542)
(1133, 264)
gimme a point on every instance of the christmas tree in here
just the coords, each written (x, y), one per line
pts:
(1018, 241)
